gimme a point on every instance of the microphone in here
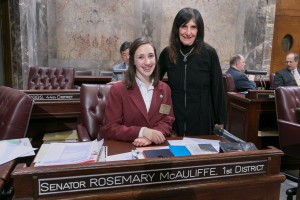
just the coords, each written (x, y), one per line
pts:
(260, 75)
(223, 133)
(235, 144)
(255, 72)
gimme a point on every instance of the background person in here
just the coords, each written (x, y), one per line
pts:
(290, 75)
(241, 80)
(124, 51)
(194, 75)
(139, 108)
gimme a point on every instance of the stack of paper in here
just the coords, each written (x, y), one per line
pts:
(68, 153)
(12, 149)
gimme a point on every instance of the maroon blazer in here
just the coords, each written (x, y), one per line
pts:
(126, 114)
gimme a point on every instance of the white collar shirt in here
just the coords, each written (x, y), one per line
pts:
(296, 76)
(147, 93)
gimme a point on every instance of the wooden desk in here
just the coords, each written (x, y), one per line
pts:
(252, 117)
(53, 110)
(239, 175)
(79, 80)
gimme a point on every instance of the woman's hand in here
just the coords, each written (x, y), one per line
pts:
(153, 135)
(141, 142)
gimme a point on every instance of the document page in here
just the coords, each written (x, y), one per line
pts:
(12, 149)
(214, 143)
(121, 156)
(68, 153)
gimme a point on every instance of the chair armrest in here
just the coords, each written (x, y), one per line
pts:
(5, 173)
(289, 132)
(83, 135)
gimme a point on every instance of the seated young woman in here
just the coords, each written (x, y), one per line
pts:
(139, 109)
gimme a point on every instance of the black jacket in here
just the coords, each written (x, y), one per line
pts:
(241, 81)
(284, 77)
(197, 91)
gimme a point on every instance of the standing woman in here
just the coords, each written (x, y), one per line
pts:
(194, 75)
(139, 108)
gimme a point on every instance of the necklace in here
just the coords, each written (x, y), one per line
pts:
(186, 55)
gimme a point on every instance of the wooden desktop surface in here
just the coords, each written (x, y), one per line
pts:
(239, 175)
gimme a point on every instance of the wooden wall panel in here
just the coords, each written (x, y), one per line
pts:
(291, 6)
(287, 22)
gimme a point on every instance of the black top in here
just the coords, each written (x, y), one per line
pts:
(197, 91)
(284, 77)
(241, 81)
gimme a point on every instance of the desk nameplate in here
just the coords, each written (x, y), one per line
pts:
(55, 96)
(60, 185)
(265, 96)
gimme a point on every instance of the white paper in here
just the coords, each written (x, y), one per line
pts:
(121, 156)
(68, 153)
(176, 142)
(214, 143)
(196, 150)
(42, 151)
(10, 151)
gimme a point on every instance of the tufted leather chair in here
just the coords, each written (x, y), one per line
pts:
(287, 99)
(92, 102)
(47, 78)
(15, 111)
(228, 83)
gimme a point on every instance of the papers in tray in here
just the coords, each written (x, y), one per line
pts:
(197, 146)
(185, 147)
(12, 149)
(63, 136)
(68, 153)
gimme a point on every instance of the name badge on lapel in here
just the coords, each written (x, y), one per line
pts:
(164, 109)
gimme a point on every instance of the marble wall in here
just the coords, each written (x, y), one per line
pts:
(86, 34)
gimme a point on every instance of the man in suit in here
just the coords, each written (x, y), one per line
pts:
(119, 69)
(241, 80)
(290, 75)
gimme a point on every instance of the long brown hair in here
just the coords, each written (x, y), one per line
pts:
(182, 18)
(131, 72)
